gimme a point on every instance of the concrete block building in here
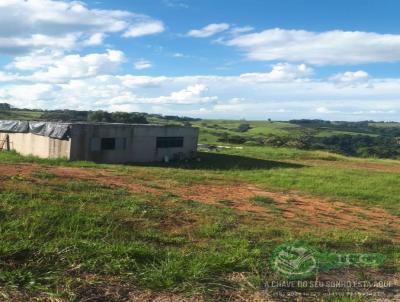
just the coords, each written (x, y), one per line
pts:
(99, 142)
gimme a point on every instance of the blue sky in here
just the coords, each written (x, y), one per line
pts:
(252, 59)
(182, 16)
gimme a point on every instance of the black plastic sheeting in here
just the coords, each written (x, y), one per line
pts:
(53, 130)
(14, 126)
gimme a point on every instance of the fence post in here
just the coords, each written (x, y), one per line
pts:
(7, 142)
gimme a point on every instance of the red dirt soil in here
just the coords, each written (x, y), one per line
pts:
(296, 210)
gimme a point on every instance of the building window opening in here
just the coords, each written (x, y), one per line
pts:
(108, 143)
(170, 142)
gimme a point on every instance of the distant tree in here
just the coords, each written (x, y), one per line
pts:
(117, 117)
(5, 106)
(128, 118)
(179, 118)
(224, 137)
(99, 116)
(244, 127)
(275, 140)
(65, 115)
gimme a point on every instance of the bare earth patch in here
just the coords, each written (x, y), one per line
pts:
(295, 209)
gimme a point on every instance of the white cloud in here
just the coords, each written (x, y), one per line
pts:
(350, 78)
(76, 66)
(18, 45)
(178, 55)
(331, 47)
(36, 60)
(175, 4)
(6, 77)
(95, 39)
(142, 64)
(287, 91)
(193, 94)
(280, 72)
(241, 30)
(39, 96)
(37, 24)
(242, 109)
(131, 81)
(208, 30)
(145, 28)
(324, 110)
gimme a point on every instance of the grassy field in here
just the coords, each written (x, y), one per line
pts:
(210, 129)
(202, 230)
(20, 115)
(196, 231)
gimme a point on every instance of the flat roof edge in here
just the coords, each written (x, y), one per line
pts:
(101, 124)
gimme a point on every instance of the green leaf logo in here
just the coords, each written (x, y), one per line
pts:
(294, 260)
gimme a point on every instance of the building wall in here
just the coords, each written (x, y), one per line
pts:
(135, 143)
(41, 146)
(140, 142)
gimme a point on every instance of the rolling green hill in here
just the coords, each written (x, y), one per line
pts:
(359, 139)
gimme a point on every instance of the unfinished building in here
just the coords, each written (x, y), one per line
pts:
(99, 142)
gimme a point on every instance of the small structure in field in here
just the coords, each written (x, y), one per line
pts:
(99, 142)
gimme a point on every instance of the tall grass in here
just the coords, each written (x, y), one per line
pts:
(56, 232)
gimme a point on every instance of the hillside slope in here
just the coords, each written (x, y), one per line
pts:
(360, 139)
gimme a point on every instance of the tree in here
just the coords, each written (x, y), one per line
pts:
(99, 116)
(65, 115)
(128, 118)
(117, 117)
(5, 106)
(244, 127)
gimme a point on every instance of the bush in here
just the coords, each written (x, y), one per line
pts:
(117, 117)
(231, 139)
(243, 127)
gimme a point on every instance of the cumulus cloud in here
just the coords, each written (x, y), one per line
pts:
(324, 48)
(6, 77)
(208, 30)
(149, 27)
(52, 80)
(142, 64)
(217, 96)
(280, 72)
(77, 66)
(132, 81)
(35, 60)
(95, 39)
(241, 30)
(40, 95)
(33, 25)
(18, 45)
(350, 78)
(193, 94)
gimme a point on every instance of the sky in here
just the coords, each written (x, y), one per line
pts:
(242, 59)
